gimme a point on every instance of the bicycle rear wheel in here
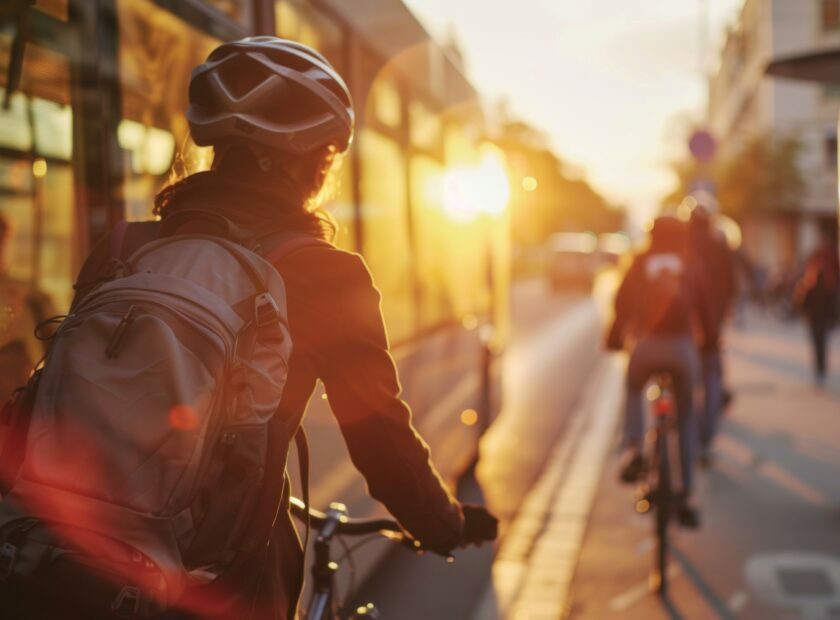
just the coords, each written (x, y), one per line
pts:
(664, 497)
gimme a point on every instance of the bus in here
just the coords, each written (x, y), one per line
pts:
(95, 126)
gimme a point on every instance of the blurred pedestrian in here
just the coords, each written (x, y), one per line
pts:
(746, 284)
(817, 295)
(657, 307)
(22, 307)
(711, 257)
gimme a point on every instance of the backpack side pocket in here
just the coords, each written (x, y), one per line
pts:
(14, 421)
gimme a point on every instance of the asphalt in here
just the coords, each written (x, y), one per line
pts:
(572, 545)
(553, 349)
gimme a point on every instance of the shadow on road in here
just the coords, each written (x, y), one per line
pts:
(702, 586)
(413, 587)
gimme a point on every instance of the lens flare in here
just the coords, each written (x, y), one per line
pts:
(183, 418)
(469, 417)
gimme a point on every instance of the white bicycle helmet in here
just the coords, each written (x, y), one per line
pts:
(270, 92)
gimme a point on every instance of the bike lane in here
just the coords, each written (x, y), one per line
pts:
(554, 350)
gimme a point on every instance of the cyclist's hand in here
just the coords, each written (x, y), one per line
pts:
(479, 525)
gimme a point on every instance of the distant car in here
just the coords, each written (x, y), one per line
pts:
(612, 247)
(572, 261)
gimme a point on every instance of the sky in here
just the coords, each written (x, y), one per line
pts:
(614, 83)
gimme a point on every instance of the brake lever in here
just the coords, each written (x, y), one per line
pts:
(415, 546)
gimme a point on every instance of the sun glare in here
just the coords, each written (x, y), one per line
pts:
(472, 190)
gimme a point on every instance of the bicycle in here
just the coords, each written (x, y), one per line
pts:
(657, 491)
(334, 523)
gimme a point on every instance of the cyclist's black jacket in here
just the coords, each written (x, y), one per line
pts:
(691, 314)
(338, 337)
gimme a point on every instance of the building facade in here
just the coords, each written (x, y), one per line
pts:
(745, 103)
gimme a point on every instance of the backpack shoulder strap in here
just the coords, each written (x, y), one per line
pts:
(275, 247)
(302, 444)
(229, 230)
(127, 237)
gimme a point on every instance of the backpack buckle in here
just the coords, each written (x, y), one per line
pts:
(8, 557)
(266, 312)
(127, 603)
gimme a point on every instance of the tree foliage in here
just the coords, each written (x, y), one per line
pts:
(561, 201)
(761, 175)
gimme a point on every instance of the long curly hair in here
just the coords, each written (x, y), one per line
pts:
(274, 199)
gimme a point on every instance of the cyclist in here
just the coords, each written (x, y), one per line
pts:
(657, 308)
(712, 258)
(278, 116)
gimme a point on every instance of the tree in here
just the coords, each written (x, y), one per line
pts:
(761, 175)
(545, 196)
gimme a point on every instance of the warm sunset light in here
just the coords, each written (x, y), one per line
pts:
(529, 184)
(470, 321)
(39, 168)
(183, 418)
(469, 417)
(549, 287)
(469, 191)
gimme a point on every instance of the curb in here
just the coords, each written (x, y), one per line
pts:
(535, 565)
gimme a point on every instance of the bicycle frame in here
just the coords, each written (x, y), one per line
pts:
(324, 569)
(335, 522)
(661, 494)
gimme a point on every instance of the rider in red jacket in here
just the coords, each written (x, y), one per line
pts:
(660, 308)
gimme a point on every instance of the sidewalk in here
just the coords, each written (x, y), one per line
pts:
(770, 543)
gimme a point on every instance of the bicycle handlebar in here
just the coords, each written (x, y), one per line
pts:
(343, 524)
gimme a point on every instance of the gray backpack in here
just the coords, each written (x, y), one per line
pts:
(145, 454)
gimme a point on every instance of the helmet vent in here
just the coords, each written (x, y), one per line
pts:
(241, 75)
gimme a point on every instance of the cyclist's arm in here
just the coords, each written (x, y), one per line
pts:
(625, 301)
(363, 390)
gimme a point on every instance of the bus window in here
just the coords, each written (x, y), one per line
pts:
(386, 102)
(15, 129)
(339, 205)
(157, 53)
(54, 8)
(238, 10)
(426, 128)
(16, 185)
(431, 257)
(53, 125)
(302, 22)
(36, 179)
(385, 224)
